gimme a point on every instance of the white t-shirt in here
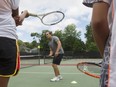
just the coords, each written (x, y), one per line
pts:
(7, 23)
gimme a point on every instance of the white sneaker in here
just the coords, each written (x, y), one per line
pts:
(60, 77)
(55, 79)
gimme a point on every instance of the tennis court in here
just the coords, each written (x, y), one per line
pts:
(40, 75)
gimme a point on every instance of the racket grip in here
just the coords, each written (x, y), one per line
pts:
(32, 14)
(25, 13)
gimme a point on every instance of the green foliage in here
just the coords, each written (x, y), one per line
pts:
(70, 39)
(90, 43)
(44, 42)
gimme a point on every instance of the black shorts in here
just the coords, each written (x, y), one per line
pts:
(9, 57)
(57, 60)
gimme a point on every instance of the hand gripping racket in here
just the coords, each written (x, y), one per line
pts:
(90, 68)
(50, 18)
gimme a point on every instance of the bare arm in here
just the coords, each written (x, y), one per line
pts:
(19, 18)
(23, 15)
(100, 25)
(51, 52)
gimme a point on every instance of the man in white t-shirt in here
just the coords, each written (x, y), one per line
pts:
(9, 58)
(103, 29)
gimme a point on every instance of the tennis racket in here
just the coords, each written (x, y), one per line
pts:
(47, 56)
(50, 18)
(90, 68)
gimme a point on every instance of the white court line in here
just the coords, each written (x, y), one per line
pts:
(45, 73)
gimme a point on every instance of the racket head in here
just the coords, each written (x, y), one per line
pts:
(89, 68)
(52, 18)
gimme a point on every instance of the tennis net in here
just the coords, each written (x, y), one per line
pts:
(30, 60)
(48, 60)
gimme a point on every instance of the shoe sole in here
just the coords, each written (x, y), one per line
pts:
(54, 81)
(60, 78)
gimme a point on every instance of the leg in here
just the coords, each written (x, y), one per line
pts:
(57, 73)
(4, 81)
(56, 70)
(56, 61)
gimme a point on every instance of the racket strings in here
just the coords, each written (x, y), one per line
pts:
(52, 18)
(90, 68)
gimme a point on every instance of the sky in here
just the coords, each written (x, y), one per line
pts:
(75, 13)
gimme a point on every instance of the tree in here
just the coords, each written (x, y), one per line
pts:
(59, 33)
(24, 46)
(36, 39)
(44, 42)
(20, 42)
(90, 43)
(35, 35)
(72, 41)
(28, 45)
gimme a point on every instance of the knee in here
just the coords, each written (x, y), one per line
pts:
(54, 65)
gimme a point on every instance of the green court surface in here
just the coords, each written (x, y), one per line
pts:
(39, 76)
